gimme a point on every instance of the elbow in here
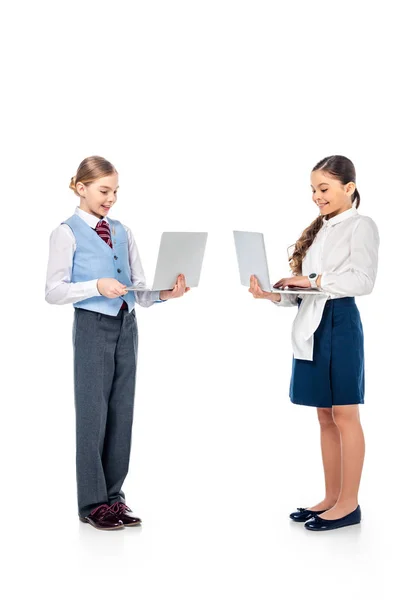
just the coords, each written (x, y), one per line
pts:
(48, 298)
(368, 289)
(54, 298)
(367, 286)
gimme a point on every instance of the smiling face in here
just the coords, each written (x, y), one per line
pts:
(329, 194)
(98, 197)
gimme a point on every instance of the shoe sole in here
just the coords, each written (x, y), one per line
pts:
(132, 524)
(334, 527)
(101, 528)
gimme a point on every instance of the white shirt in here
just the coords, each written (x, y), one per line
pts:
(60, 290)
(345, 254)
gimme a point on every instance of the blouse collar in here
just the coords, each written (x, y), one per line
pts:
(340, 217)
(91, 220)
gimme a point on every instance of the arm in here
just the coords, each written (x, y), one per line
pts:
(283, 299)
(359, 278)
(287, 300)
(59, 289)
(147, 298)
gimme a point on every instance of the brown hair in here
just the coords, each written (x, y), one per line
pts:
(90, 169)
(340, 168)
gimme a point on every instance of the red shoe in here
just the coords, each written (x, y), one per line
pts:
(102, 517)
(124, 513)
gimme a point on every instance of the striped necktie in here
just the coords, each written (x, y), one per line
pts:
(103, 230)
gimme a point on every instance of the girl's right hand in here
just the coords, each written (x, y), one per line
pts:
(111, 288)
(259, 293)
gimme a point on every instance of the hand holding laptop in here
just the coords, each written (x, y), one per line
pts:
(252, 261)
(179, 252)
(178, 290)
(112, 288)
(257, 292)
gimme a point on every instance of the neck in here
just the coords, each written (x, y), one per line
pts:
(83, 206)
(338, 212)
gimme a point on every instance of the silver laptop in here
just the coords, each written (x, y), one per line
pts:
(252, 260)
(179, 252)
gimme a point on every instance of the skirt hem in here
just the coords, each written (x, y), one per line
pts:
(314, 405)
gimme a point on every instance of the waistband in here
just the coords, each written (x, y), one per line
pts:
(123, 312)
(347, 301)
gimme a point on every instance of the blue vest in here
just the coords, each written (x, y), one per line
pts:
(94, 259)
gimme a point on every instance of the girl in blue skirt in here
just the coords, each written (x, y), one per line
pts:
(338, 255)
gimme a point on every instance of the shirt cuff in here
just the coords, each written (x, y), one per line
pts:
(93, 285)
(286, 300)
(157, 298)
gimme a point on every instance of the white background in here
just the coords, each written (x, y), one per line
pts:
(214, 114)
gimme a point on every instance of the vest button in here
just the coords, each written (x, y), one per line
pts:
(115, 257)
(118, 270)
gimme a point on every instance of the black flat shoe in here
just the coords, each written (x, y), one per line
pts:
(319, 524)
(304, 514)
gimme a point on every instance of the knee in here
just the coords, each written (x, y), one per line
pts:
(345, 416)
(325, 417)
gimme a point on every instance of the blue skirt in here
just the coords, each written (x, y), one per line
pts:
(335, 376)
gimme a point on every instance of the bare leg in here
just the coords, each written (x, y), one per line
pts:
(331, 458)
(347, 419)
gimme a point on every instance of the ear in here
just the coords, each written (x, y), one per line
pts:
(80, 188)
(349, 188)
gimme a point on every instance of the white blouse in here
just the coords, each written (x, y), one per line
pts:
(345, 254)
(60, 290)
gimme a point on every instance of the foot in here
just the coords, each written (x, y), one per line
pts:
(102, 517)
(124, 513)
(322, 506)
(338, 512)
(304, 514)
(319, 523)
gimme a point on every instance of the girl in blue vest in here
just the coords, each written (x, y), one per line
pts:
(92, 260)
(338, 255)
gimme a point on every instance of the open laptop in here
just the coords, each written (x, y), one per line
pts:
(252, 260)
(179, 252)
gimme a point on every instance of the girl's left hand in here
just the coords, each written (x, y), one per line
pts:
(178, 291)
(297, 281)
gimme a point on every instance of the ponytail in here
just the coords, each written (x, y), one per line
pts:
(356, 197)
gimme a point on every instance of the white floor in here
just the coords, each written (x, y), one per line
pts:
(212, 553)
(201, 542)
(216, 467)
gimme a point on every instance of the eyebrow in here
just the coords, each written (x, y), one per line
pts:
(108, 188)
(319, 185)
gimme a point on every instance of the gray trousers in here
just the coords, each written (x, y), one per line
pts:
(105, 359)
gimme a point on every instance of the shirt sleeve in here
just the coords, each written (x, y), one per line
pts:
(287, 300)
(359, 277)
(59, 289)
(145, 298)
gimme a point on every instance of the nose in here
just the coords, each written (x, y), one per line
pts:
(317, 197)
